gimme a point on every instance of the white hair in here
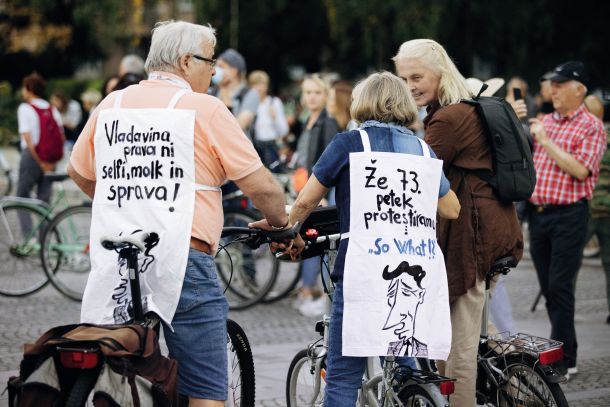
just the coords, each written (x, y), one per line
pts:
(131, 64)
(452, 87)
(173, 39)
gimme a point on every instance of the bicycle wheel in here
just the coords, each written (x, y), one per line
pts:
(421, 395)
(81, 388)
(65, 251)
(526, 385)
(21, 228)
(247, 275)
(302, 382)
(286, 282)
(241, 367)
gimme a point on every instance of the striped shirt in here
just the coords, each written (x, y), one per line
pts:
(581, 135)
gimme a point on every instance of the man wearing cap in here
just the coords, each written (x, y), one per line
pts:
(568, 147)
(233, 89)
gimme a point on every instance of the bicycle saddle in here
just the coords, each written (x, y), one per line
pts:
(137, 239)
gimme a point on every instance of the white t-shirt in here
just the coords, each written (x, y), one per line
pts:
(28, 121)
(270, 122)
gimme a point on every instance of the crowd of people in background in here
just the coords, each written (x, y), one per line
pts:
(567, 143)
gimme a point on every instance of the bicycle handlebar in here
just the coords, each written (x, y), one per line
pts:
(257, 237)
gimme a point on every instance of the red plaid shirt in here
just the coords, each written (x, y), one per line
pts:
(583, 136)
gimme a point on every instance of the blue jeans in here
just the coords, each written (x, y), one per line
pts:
(199, 340)
(344, 373)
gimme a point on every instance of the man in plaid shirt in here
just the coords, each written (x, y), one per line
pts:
(569, 145)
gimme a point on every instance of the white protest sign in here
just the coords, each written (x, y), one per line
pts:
(395, 285)
(145, 181)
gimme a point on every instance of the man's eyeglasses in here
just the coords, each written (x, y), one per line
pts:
(212, 62)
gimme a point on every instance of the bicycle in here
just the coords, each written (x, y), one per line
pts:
(240, 361)
(392, 386)
(517, 370)
(252, 276)
(23, 222)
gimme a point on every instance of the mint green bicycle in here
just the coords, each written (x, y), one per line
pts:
(40, 243)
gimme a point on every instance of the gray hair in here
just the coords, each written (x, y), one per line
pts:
(452, 87)
(131, 63)
(173, 39)
(384, 97)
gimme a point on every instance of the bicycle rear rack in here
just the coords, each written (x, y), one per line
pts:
(520, 343)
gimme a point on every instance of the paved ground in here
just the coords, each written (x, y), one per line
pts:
(277, 332)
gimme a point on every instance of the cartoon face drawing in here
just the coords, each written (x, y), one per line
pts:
(403, 298)
(405, 293)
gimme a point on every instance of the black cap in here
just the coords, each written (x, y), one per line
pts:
(568, 71)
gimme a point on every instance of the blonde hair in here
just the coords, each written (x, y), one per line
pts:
(452, 86)
(383, 97)
(317, 79)
(257, 77)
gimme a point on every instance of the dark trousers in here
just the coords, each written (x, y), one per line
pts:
(30, 175)
(557, 238)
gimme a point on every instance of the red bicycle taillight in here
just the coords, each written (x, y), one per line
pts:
(79, 359)
(548, 357)
(311, 233)
(243, 203)
(447, 387)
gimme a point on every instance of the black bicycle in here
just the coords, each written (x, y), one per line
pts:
(516, 371)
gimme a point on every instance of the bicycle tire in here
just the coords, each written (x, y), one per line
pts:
(65, 251)
(242, 387)
(21, 227)
(524, 371)
(276, 292)
(81, 388)
(6, 183)
(302, 392)
(246, 275)
(421, 395)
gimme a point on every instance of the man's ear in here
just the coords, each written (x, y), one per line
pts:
(184, 62)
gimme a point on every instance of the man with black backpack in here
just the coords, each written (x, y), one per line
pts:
(569, 145)
(42, 138)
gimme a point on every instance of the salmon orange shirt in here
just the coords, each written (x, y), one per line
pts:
(222, 150)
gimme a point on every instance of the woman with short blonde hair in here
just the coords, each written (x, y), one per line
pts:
(384, 107)
(383, 97)
(487, 229)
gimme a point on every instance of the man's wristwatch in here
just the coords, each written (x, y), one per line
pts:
(280, 227)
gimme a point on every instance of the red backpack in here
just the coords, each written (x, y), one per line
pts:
(50, 147)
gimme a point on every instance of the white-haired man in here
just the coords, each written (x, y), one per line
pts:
(153, 156)
(569, 145)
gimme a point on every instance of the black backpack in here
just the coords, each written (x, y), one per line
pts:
(514, 177)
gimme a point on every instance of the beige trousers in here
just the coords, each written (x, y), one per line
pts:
(466, 313)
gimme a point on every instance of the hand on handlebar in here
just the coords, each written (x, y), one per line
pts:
(274, 246)
(298, 244)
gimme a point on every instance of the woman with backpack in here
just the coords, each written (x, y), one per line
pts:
(487, 229)
(42, 138)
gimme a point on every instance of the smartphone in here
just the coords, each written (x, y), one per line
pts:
(517, 94)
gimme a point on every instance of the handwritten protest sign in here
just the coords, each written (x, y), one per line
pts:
(145, 181)
(395, 285)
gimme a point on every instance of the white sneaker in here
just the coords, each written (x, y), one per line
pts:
(313, 308)
(572, 370)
